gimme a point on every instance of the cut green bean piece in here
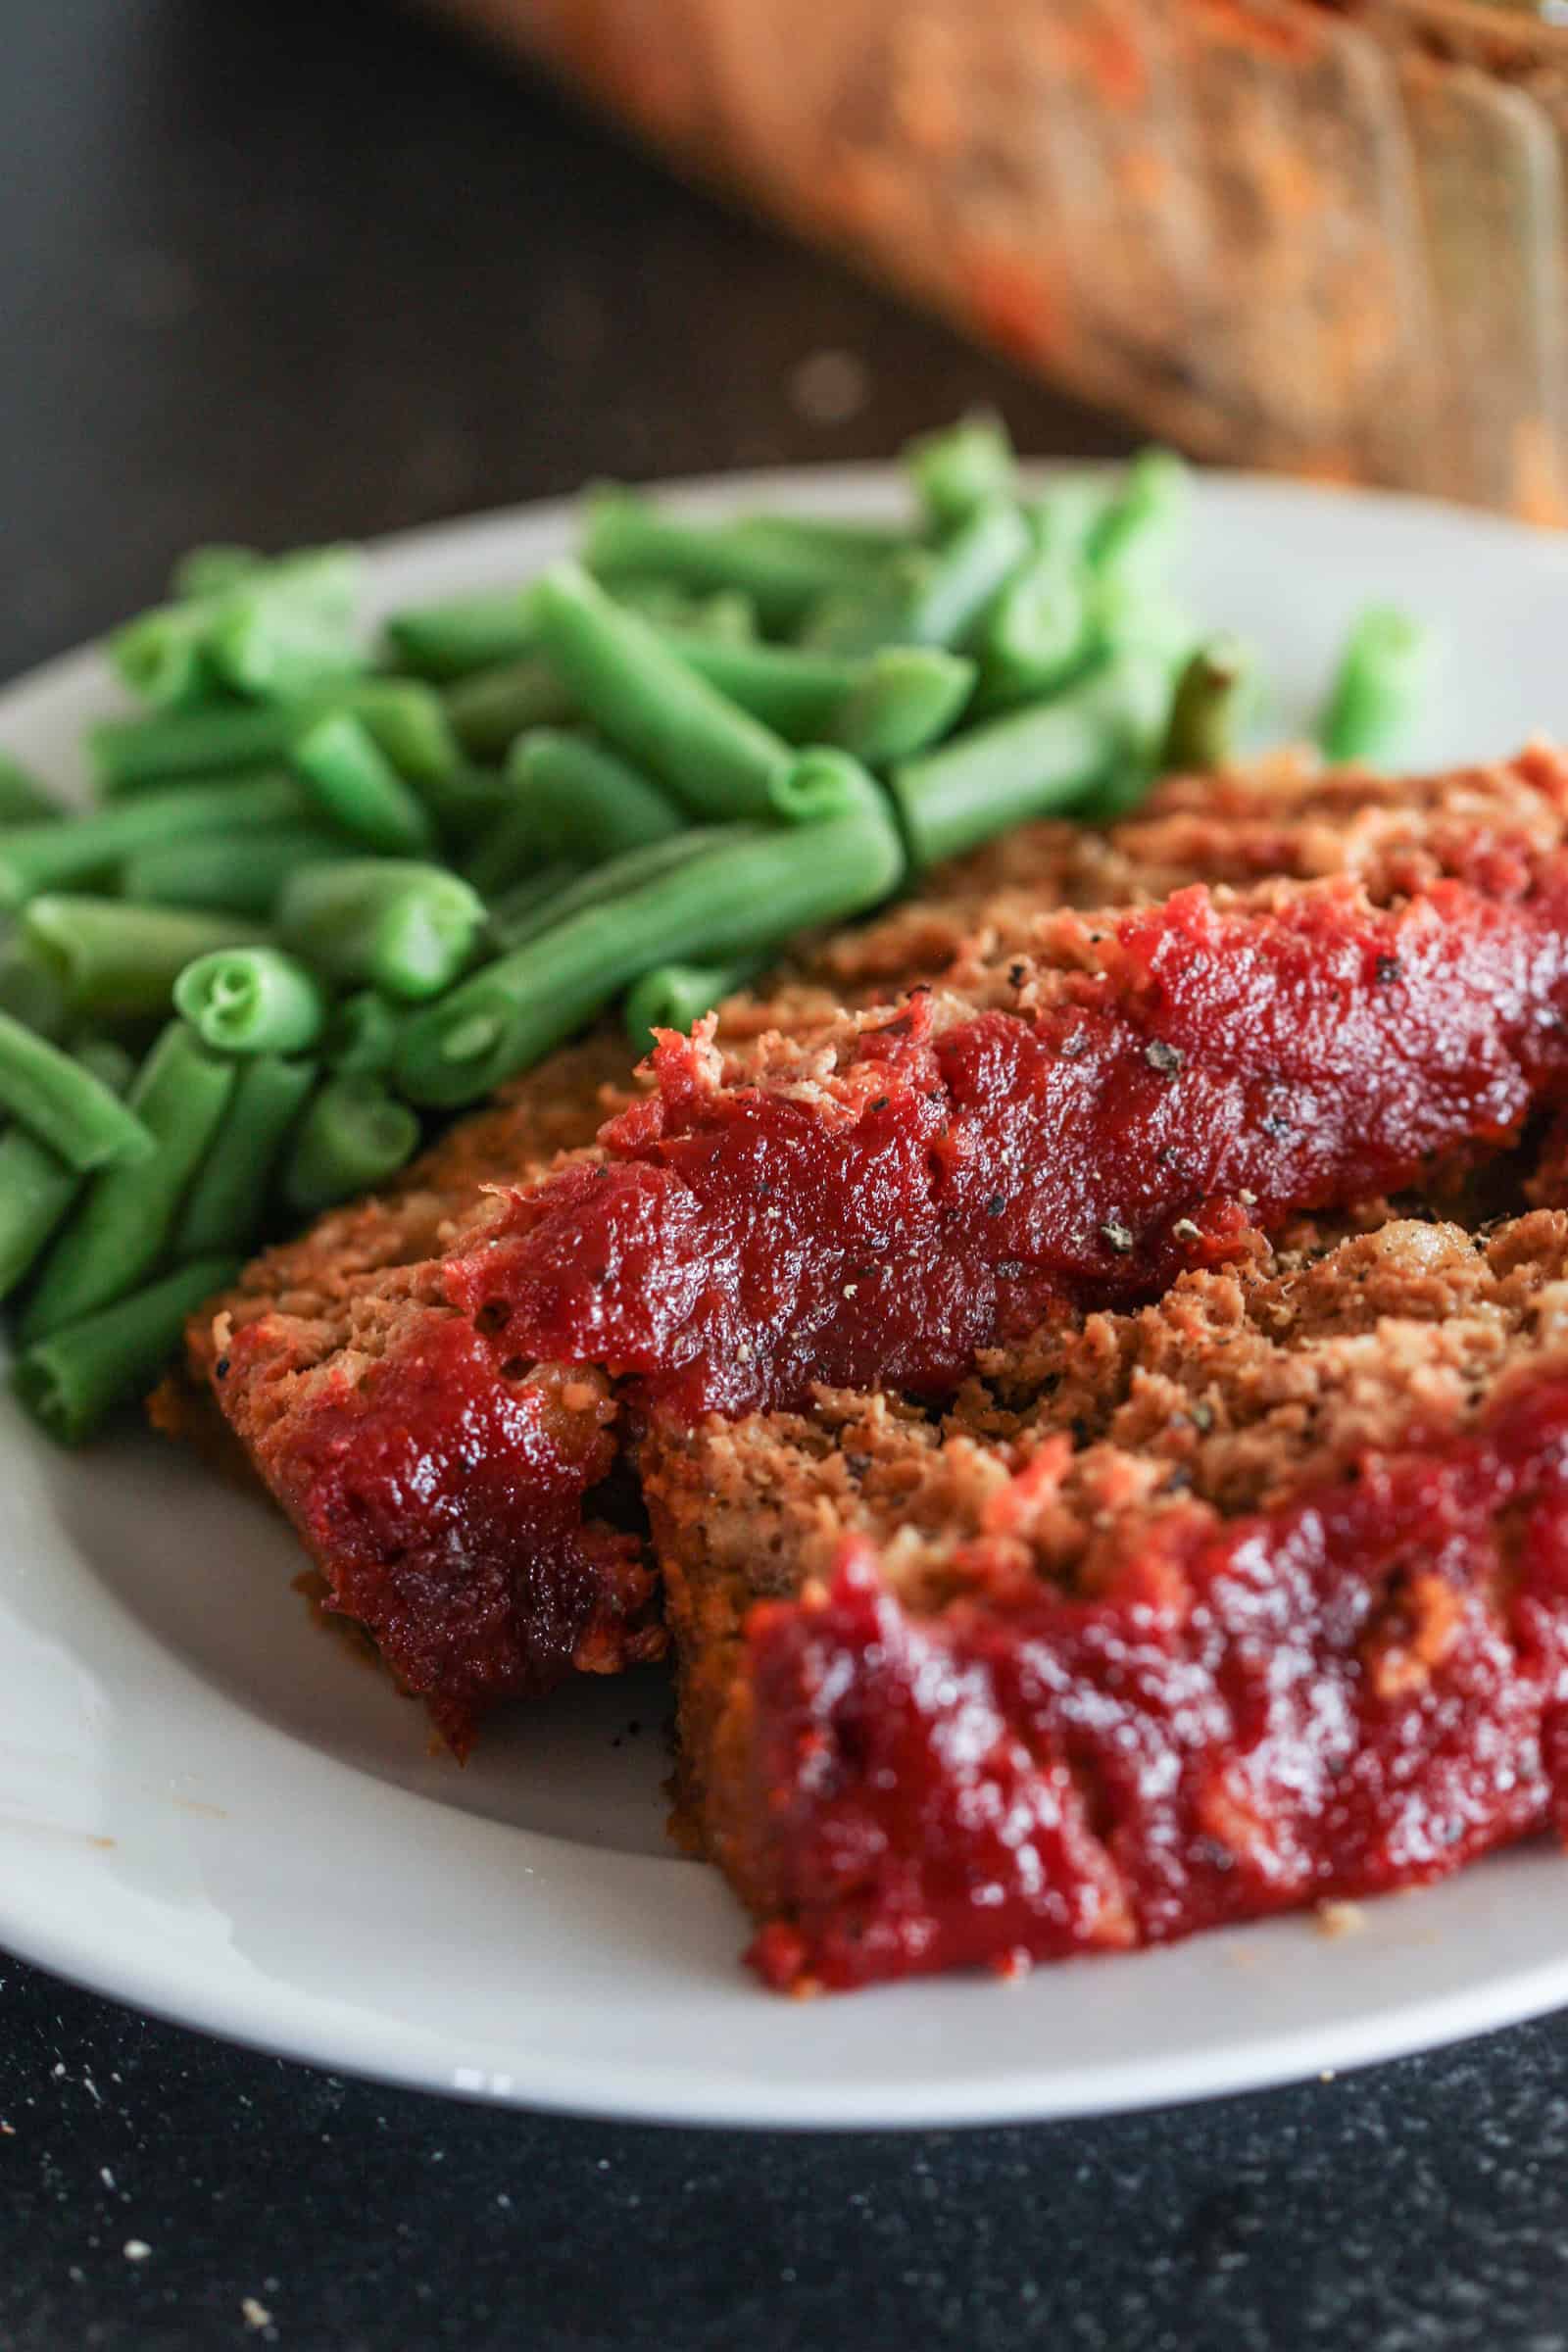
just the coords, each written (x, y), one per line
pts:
(490, 710)
(467, 802)
(72, 1380)
(227, 1206)
(116, 961)
(738, 896)
(905, 698)
(1037, 762)
(58, 1100)
(23, 800)
(583, 801)
(211, 571)
(726, 615)
(252, 1001)
(286, 630)
(1206, 710)
(1036, 636)
(353, 1135)
(464, 633)
(35, 858)
(31, 992)
(529, 908)
(1065, 516)
(784, 570)
(229, 873)
(401, 926)
(1382, 675)
(1128, 617)
(506, 855)
(519, 911)
(361, 1035)
(274, 630)
(118, 1233)
(934, 596)
(673, 996)
(970, 465)
(883, 708)
(406, 718)
(37, 1185)
(1146, 527)
(355, 786)
(714, 760)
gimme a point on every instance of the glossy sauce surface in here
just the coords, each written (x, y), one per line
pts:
(1360, 1691)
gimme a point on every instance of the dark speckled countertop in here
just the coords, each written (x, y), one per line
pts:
(296, 268)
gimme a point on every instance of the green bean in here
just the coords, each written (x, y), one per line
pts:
(31, 992)
(116, 961)
(490, 710)
(673, 996)
(529, 908)
(714, 760)
(1065, 516)
(519, 911)
(285, 629)
(464, 633)
(23, 799)
(467, 802)
(581, 801)
(252, 1001)
(72, 1380)
(275, 630)
(353, 1135)
(1206, 708)
(37, 1185)
(739, 896)
(118, 1233)
(1377, 690)
(228, 1199)
(726, 616)
(505, 856)
(401, 926)
(1146, 523)
(35, 858)
(970, 465)
(905, 698)
(234, 873)
(1037, 634)
(884, 708)
(932, 596)
(404, 716)
(361, 1035)
(164, 657)
(784, 570)
(1033, 762)
(210, 571)
(1126, 617)
(57, 1098)
(356, 786)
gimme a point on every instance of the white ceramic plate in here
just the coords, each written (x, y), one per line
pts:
(210, 1809)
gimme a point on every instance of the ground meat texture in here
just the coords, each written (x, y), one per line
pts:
(443, 1386)
(1262, 1599)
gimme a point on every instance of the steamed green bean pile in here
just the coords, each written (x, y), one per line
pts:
(329, 891)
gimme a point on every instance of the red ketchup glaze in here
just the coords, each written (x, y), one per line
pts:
(1358, 1690)
(446, 1507)
(951, 1184)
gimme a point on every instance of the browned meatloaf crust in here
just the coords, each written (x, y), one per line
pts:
(1177, 1616)
(467, 1498)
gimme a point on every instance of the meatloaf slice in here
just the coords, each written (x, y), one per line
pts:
(1092, 1104)
(1177, 1617)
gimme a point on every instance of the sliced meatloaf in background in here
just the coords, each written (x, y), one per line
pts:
(1177, 1617)
(444, 1387)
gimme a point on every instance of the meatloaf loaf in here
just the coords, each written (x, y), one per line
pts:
(447, 1390)
(1177, 1616)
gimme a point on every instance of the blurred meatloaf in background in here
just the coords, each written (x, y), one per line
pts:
(1317, 234)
